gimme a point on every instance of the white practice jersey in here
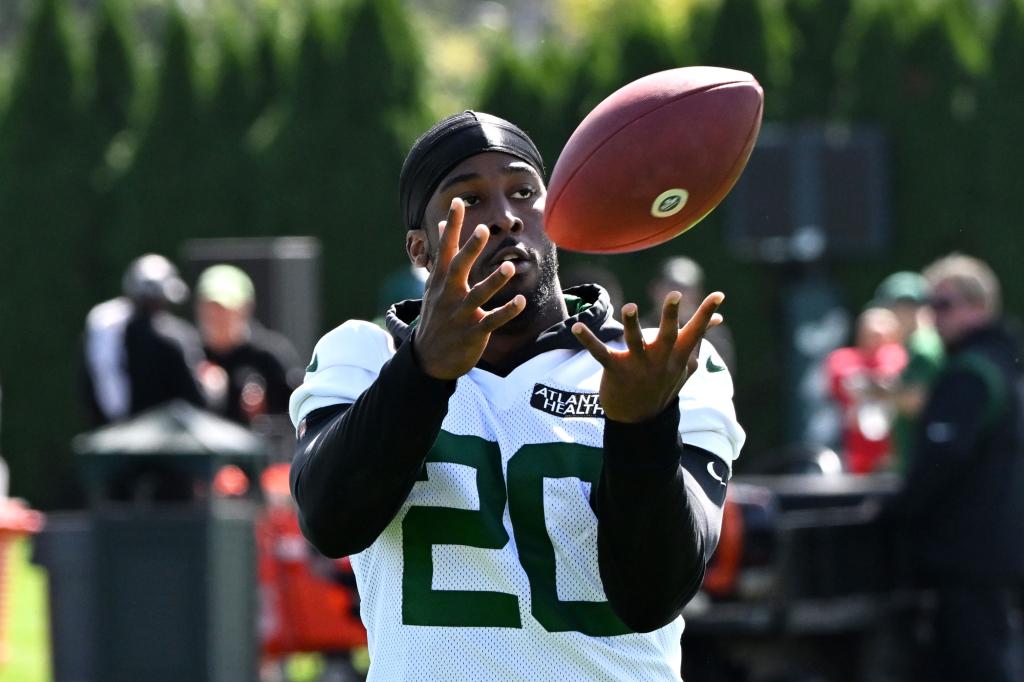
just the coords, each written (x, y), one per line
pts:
(489, 571)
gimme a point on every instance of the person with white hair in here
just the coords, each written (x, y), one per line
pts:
(962, 507)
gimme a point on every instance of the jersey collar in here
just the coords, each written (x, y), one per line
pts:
(586, 303)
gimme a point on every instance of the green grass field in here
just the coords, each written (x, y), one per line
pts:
(28, 627)
(27, 620)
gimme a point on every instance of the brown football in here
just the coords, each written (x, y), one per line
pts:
(652, 159)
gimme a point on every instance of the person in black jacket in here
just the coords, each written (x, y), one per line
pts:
(963, 502)
(529, 489)
(137, 354)
(261, 366)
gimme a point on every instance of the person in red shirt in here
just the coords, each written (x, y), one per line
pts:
(858, 377)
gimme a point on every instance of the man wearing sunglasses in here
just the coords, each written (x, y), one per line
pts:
(964, 495)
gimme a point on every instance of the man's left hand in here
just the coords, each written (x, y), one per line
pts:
(639, 382)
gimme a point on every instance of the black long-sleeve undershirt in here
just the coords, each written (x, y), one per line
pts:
(658, 521)
(355, 465)
(659, 514)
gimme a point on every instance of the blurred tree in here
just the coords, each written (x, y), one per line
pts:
(738, 39)
(47, 153)
(635, 43)
(635, 40)
(381, 76)
(266, 74)
(192, 173)
(590, 78)
(1001, 147)
(816, 28)
(326, 111)
(548, 92)
(114, 102)
(908, 77)
(943, 91)
(228, 165)
(645, 45)
(114, 70)
(381, 70)
(159, 198)
(871, 59)
(700, 25)
(938, 109)
(235, 103)
(293, 155)
(332, 168)
(528, 90)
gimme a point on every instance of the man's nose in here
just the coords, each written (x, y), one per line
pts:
(504, 219)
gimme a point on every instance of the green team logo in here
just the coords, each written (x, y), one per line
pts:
(669, 202)
(712, 367)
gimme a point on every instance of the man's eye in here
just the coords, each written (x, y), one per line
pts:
(470, 200)
(524, 193)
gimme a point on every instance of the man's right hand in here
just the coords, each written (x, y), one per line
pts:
(453, 330)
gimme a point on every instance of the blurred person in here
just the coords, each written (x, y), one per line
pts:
(860, 378)
(686, 276)
(136, 353)
(500, 437)
(906, 294)
(261, 367)
(962, 505)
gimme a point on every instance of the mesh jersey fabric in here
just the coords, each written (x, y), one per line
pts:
(490, 568)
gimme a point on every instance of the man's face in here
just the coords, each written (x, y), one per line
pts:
(875, 328)
(222, 328)
(506, 195)
(908, 313)
(955, 315)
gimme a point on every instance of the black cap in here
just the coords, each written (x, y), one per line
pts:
(152, 277)
(447, 144)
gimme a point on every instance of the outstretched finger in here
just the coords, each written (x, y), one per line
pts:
(492, 284)
(692, 332)
(668, 330)
(594, 345)
(631, 322)
(696, 325)
(463, 261)
(502, 315)
(449, 229)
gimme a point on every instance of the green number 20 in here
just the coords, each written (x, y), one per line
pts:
(425, 526)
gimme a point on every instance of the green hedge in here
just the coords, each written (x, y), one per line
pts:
(240, 129)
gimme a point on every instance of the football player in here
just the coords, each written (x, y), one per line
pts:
(529, 490)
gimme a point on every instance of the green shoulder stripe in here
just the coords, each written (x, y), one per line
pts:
(995, 384)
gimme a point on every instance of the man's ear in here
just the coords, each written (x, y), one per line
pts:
(418, 248)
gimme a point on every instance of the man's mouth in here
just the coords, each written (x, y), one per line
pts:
(517, 255)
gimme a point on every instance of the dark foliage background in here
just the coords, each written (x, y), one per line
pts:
(103, 158)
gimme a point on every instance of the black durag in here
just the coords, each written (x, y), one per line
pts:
(450, 142)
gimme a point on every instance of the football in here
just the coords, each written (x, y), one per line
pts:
(652, 159)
